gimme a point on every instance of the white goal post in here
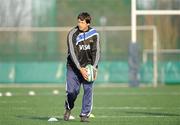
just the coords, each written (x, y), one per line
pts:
(134, 14)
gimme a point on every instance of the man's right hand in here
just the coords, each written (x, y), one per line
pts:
(84, 73)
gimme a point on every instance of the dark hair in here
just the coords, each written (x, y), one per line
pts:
(84, 16)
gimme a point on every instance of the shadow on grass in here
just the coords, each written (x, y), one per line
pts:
(35, 117)
(43, 118)
(154, 113)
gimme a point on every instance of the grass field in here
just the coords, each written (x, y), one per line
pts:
(112, 106)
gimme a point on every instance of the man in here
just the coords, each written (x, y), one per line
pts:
(83, 49)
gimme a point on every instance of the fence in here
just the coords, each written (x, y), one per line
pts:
(38, 54)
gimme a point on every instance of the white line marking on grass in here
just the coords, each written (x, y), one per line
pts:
(137, 94)
(132, 108)
(12, 102)
(120, 108)
(22, 108)
(127, 107)
(124, 116)
(132, 116)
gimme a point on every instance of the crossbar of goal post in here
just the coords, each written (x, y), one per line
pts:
(134, 14)
(63, 29)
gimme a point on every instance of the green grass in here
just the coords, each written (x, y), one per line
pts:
(112, 106)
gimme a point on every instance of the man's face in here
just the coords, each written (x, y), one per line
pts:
(83, 26)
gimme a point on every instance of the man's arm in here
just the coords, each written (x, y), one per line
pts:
(71, 48)
(96, 53)
(95, 50)
(73, 55)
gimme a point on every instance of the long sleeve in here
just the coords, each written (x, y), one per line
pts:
(71, 48)
(95, 50)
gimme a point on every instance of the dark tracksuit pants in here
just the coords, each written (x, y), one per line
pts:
(73, 83)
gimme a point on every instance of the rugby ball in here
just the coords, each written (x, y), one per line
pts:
(91, 73)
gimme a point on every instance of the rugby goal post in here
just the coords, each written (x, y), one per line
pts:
(134, 14)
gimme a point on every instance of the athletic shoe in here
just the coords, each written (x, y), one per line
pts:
(67, 114)
(84, 119)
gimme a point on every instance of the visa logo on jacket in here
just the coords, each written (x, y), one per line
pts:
(84, 47)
